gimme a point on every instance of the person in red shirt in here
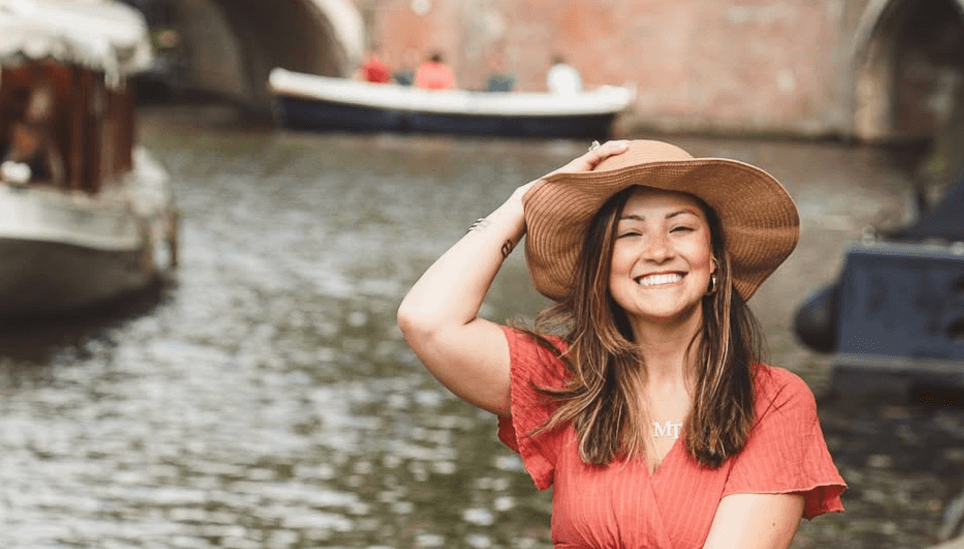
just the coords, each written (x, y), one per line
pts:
(435, 74)
(374, 69)
(640, 395)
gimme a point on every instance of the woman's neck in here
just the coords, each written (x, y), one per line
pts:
(666, 348)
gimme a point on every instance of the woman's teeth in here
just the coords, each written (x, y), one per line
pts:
(655, 280)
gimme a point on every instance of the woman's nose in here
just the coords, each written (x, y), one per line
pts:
(659, 248)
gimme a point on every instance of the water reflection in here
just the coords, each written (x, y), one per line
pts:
(267, 399)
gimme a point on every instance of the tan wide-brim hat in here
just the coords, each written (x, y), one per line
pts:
(760, 221)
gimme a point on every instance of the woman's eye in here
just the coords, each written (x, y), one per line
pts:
(625, 234)
(682, 228)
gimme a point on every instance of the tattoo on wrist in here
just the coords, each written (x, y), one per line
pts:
(479, 225)
(507, 248)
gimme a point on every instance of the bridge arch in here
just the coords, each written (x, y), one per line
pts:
(907, 58)
(229, 46)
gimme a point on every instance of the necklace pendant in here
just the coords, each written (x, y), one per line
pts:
(667, 429)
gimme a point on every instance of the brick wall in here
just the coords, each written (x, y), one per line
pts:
(755, 66)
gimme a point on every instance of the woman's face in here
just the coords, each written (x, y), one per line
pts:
(662, 257)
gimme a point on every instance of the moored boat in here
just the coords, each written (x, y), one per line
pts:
(893, 321)
(320, 103)
(86, 214)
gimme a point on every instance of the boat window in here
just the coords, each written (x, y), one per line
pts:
(65, 126)
(32, 122)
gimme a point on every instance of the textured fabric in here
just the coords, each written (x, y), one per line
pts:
(623, 505)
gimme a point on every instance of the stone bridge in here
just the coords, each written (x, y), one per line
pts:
(229, 46)
(907, 61)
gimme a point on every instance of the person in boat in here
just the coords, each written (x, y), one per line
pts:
(30, 142)
(374, 69)
(405, 75)
(562, 77)
(640, 395)
(435, 74)
(499, 79)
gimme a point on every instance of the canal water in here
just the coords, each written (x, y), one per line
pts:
(265, 399)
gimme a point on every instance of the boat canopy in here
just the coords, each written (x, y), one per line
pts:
(101, 35)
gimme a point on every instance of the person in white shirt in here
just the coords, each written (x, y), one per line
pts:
(563, 77)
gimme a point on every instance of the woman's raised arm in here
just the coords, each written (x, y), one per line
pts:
(439, 316)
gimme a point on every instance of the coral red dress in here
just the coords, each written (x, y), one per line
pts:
(622, 505)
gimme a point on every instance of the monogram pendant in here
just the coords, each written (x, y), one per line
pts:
(668, 429)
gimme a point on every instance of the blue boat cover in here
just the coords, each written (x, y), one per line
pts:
(945, 220)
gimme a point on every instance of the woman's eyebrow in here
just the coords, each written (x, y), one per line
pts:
(681, 212)
(637, 217)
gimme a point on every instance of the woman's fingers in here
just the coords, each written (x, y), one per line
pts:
(585, 163)
(596, 154)
(604, 151)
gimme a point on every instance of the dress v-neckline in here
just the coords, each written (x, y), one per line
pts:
(662, 463)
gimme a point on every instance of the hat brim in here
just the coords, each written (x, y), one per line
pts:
(759, 218)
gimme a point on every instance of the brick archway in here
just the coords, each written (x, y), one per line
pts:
(908, 68)
(231, 45)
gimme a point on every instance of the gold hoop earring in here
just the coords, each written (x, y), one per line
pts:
(711, 289)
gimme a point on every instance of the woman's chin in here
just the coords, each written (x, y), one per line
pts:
(666, 316)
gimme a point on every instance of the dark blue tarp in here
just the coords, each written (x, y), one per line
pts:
(945, 220)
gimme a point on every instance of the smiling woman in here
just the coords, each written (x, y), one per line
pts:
(641, 395)
(662, 259)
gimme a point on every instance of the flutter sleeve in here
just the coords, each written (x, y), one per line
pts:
(786, 451)
(532, 366)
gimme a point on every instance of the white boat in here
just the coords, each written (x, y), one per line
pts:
(86, 214)
(320, 103)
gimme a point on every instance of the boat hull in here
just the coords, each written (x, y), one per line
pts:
(42, 278)
(320, 103)
(319, 115)
(63, 251)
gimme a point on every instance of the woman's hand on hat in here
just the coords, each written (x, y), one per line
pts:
(591, 158)
(585, 163)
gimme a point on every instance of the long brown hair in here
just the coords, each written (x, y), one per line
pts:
(601, 397)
